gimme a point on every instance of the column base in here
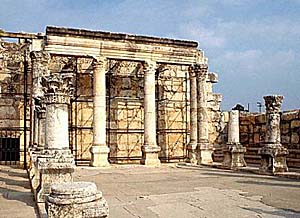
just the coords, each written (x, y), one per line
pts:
(54, 166)
(206, 151)
(234, 156)
(193, 154)
(34, 175)
(273, 158)
(78, 199)
(150, 156)
(99, 156)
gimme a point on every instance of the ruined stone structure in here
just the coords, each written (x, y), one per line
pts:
(132, 96)
(136, 99)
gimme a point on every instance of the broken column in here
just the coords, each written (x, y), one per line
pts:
(39, 60)
(192, 146)
(56, 163)
(99, 150)
(78, 199)
(206, 149)
(233, 151)
(150, 148)
(273, 154)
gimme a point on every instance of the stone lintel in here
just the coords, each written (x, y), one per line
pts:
(83, 33)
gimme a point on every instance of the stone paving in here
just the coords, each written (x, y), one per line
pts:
(168, 191)
(16, 199)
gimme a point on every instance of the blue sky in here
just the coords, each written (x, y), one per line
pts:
(254, 45)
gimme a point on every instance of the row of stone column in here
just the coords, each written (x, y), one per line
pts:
(100, 150)
(199, 149)
(273, 154)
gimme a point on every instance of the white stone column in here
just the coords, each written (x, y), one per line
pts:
(233, 151)
(233, 127)
(192, 146)
(206, 149)
(56, 163)
(99, 150)
(150, 148)
(273, 154)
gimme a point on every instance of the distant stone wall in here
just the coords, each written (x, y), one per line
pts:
(11, 96)
(252, 135)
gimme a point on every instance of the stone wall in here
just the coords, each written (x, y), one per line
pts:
(252, 135)
(12, 98)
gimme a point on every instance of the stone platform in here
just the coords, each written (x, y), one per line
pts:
(169, 191)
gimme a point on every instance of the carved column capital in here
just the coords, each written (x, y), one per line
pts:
(149, 66)
(40, 108)
(40, 56)
(99, 62)
(58, 87)
(273, 103)
(200, 70)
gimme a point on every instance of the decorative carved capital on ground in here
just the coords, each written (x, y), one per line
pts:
(58, 87)
(273, 103)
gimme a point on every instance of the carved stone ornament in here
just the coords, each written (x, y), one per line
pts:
(40, 56)
(273, 103)
(58, 87)
(149, 66)
(201, 70)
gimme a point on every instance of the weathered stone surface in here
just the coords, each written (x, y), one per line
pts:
(273, 154)
(77, 199)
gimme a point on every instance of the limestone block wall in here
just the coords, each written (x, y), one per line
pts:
(252, 135)
(12, 99)
(125, 113)
(172, 111)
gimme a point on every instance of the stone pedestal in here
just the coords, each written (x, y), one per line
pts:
(273, 158)
(193, 152)
(54, 166)
(99, 156)
(234, 155)
(76, 200)
(273, 154)
(99, 150)
(233, 151)
(206, 149)
(150, 149)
